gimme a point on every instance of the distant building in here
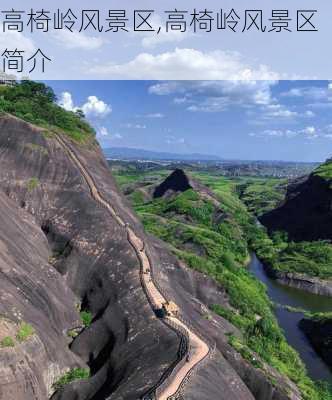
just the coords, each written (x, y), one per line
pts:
(7, 80)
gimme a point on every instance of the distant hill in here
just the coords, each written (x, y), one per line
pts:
(141, 154)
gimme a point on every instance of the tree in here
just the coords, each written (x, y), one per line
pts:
(80, 113)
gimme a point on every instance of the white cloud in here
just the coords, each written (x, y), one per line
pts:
(155, 115)
(309, 114)
(307, 133)
(316, 94)
(309, 130)
(278, 111)
(171, 140)
(93, 107)
(15, 40)
(215, 96)
(103, 131)
(66, 102)
(180, 100)
(254, 96)
(312, 92)
(163, 37)
(210, 104)
(152, 40)
(275, 133)
(77, 40)
(129, 125)
(186, 64)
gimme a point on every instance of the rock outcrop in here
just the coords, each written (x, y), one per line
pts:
(301, 281)
(319, 332)
(176, 182)
(306, 213)
(58, 247)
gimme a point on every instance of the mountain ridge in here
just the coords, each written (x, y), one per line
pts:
(136, 153)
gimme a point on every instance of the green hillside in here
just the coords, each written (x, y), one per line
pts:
(36, 103)
(216, 241)
(325, 170)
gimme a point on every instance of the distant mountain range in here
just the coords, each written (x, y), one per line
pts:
(141, 154)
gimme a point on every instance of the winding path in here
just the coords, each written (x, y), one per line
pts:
(198, 348)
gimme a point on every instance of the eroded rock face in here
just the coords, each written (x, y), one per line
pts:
(127, 348)
(31, 291)
(306, 213)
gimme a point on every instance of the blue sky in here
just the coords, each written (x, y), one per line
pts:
(270, 120)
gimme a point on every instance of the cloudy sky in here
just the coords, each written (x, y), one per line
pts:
(220, 54)
(272, 120)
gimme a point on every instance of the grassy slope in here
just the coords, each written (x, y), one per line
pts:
(219, 247)
(36, 103)
(311, 258)
(324, 170)
(258, 194)
(263, 195)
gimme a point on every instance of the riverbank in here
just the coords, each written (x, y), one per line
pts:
(301, 281)
(289, 321)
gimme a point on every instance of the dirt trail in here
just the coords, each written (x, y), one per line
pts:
(199, 350)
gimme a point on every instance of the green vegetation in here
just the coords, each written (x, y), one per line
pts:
(320, 317)
(36, 103)
(72, 333)
(7, 342)
(32, 184)
(86, 318)
(310, 258)
(245, 351)
(24, 332)
(262, 195)
(215, 241)
(325, 170)
(71, 376)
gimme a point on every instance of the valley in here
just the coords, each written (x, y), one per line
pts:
(186, 218)
(156, 279)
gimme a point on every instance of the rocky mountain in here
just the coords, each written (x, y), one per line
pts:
(34, 294)
(65, 245)
(306, 213)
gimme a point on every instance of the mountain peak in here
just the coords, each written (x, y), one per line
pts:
(177, 181)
